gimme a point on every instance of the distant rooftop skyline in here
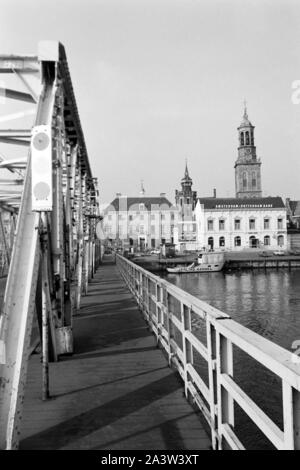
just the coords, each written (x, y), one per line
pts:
(157, 82)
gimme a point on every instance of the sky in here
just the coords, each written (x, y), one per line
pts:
(161, 81)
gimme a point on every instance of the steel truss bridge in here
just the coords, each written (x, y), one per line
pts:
(49, 250)
(48, 218)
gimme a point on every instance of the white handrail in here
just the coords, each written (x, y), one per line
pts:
(216, 400)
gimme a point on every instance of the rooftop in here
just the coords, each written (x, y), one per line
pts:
(128, 203)
(241, 203)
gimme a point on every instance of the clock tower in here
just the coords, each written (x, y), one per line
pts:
(247, 165)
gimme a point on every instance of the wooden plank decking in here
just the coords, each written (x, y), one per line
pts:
(116, 391)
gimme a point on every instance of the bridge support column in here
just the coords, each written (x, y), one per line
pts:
(45, 330)
(169, 324)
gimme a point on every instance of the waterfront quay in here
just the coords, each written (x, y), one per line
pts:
(246, 259)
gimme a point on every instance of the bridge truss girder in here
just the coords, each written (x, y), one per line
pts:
(56, 252)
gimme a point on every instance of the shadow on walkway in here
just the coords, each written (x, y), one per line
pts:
(116, 391)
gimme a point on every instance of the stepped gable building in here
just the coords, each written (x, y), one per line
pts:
(247, 166)
(141, 222)
(237, 223)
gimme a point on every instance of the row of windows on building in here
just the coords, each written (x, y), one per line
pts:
(141, 217)
(164, 229)
(237, 224)
(252, 239)
(153, 229)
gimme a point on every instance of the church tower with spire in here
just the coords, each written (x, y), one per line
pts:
(185, 233)
(247, 165)
(186, 196)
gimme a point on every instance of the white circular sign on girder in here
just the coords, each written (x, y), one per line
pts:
(40, 141)
(41, 190)
(41, 168)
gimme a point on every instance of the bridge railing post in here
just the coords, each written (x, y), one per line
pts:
(296, 416)
(131, 278)
(225, 402)
(145, 294)
(148, 298)
(135, 283)
(140, 290)
(291, 416)
(187, 347)
(168, 315)
(150, 317)
(288, 414)
(126, 273)
(212, 378)
(158, 311)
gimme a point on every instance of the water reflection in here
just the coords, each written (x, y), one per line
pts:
(267, 302)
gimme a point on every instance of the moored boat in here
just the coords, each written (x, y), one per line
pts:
(206, 262)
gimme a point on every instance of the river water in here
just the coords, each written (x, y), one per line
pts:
(267, 302)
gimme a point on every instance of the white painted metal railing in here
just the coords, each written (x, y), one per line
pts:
(169, 312)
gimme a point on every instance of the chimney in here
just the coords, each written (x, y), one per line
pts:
(215, 193)
(162, 194)
(118, 194)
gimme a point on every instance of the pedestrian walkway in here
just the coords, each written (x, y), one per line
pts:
(116, 391)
